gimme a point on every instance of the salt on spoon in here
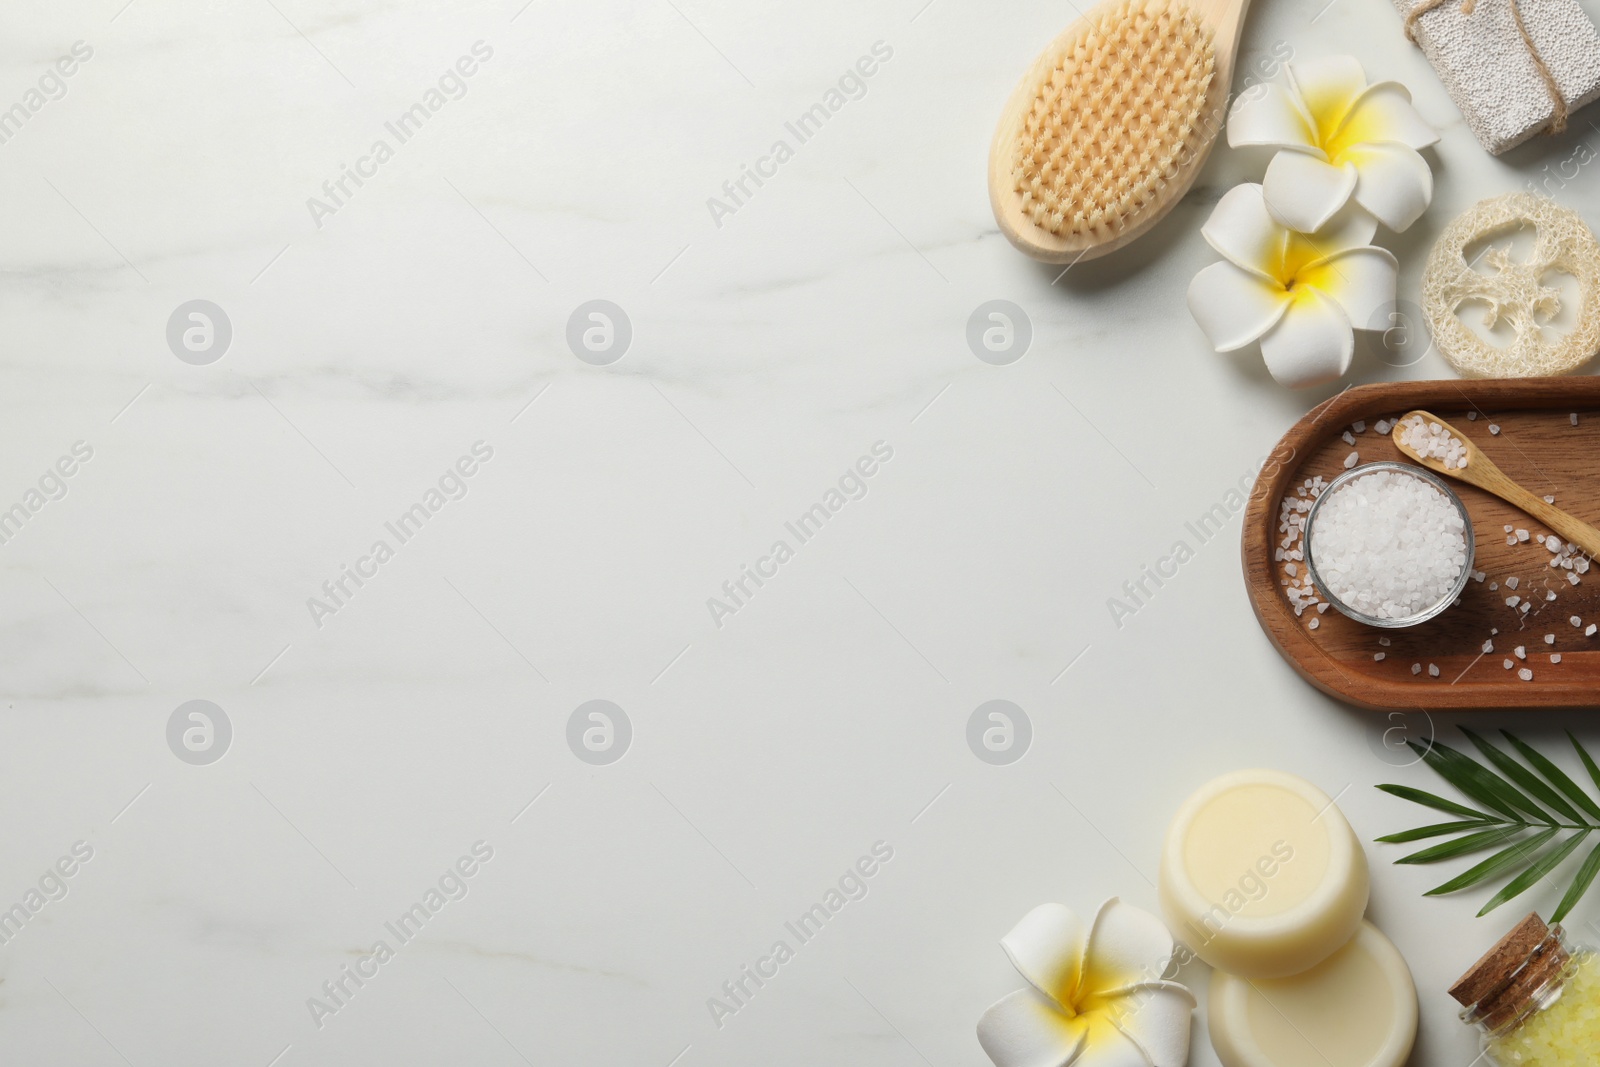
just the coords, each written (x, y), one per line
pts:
(1448, 451)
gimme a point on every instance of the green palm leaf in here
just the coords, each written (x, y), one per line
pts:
(1461, 846)
(1556, 775)
(1495, 865)
(1588, 762)
(1527, 878)
(1523, 777)
(1580, 885)
(1438, 829)
(1417, 796)
(1479, 782)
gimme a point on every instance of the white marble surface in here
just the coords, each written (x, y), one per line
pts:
(427, 313)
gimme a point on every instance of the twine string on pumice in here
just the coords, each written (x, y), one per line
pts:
(1558, 118)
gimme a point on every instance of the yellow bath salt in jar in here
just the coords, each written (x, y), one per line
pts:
(1535, 997)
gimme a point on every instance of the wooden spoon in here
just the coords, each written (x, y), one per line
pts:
(1481, 472)
(1146, 197)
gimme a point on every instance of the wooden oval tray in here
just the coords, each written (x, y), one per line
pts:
(1538, 446)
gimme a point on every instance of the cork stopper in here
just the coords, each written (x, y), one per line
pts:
(1502, 985)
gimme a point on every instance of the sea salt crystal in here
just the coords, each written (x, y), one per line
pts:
(1522, 535)
(1590, 629)
(1416, 668)
(1494, 430)
(1508, 664)
(1511, 539)
(1508, 527)
(1555, 657)
(1389, 545)
(1385, 642)
(1382, 425)
(1551, 595)
(1488, 646)
(1526, 604)
(1576, 621)
(1493, 586)
(1553, 543)
(1472, 416)
(1549, 639)
(1351, 460)
(1349, 438)
(1433, 670)
(1513, 601)
(1478, 576)
(1550, 499)
(1525, 674)
(1378, 657)
(1574, 418)
(1573, 578)
(1521, 652)
(1360, 426)
(1513, 582)
(1315, 622)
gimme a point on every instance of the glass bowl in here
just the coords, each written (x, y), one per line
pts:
(1369, 620)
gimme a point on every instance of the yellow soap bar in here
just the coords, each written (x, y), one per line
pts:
(1261, 875)
(1358, 1008)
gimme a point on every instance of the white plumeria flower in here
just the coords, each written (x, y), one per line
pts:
(1301, 295)
(1096, 996)
(1340, 138)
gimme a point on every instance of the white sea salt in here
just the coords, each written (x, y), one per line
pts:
(1433, 670)
(1351, 460)
(1574, 418)
(1378, 657)
(1431, 440)
(1590, 629)
(1472, 416)
(1493, 429)
(1416, 668)
(1314, 623)
(1525, 674)
(1513, 601)
(1521, 652)
(1508, 664)
(1389, 545)
(1488, 646)
(1575, 621)
(1513, 582)
(1549, 639)
(1555, 657)
(1360, 426)
(1522, 535)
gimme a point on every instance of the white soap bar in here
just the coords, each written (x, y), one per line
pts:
(1261, 875)
(1358, 1008)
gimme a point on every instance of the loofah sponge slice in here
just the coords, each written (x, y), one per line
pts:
(1114, 118)
(1515, 292)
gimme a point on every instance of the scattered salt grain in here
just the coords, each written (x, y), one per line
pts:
(1551, 595)
(1555, 657)
(1416, 668)
(1433, 670)
(1522, 535)
(1349, 438)
(1575, 621)
(1382, 425)
(1389, 544)
(1488, 646)
(1351, 460)
(1525, 674)
(1385, 642)
(1550, 499)
(1549, 639)
(1494, 430)
(1521, 652)
(1472, 416)
(1590, 629)
(1493, 586)
(1508, 664)
(1378, 657)
(1315, 622)
(1360, 426)
(1574, 418)
(1511, 539)
(1478, 576)
(1513, 582)
(1508, 527)
(1553, 543)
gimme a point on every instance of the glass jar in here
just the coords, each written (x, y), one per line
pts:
(1535, 999)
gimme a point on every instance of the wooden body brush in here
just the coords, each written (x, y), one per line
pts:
(1111, 124)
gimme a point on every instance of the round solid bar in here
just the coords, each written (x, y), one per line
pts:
(1358, 1008)
(1261, 875)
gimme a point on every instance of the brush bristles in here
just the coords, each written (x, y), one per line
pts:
(1115, 120)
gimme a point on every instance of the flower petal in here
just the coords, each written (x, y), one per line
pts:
(1025, 1029)
(1268, 113)
(1328, 86)
(1127, 946)
(1312, 343)
(1046, 947)
(1392, 181)
(1235, 307)
(1303, 192)
(1243, 232)
(1362, 281)
(1107, 1046)
(1156, 1017)
(1384, 112)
